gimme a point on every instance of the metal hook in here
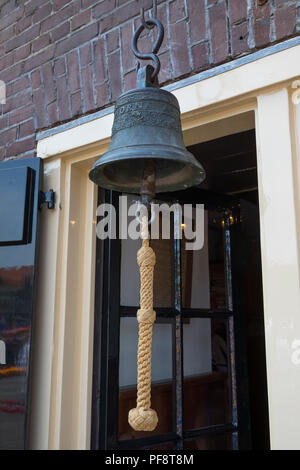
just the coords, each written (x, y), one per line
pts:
(153, 16)
(155, 48)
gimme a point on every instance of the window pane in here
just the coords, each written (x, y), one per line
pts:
(162, 283)
(222, 442)
(203, 274)
(195, 273)
(206, 392)
(161, 376)
(130, 276)
(216, 260)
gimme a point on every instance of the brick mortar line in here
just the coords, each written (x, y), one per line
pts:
(92, 64)
(250, 17)
(272, 34)
(228, 30)
(109, 91)
(189, 47)
(121, 58)
(189, 40)
(24, 154)
(298, 16)
(169, 38)
(67, 74)
(208, 32)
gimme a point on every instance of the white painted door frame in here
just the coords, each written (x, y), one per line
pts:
(261, 94)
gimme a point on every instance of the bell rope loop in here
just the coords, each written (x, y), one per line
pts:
(143, 418)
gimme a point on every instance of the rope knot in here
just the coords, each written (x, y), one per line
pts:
(146, 256)
(146, 316)
(142, 420)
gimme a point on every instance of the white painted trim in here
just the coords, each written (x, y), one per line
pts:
(280, 264)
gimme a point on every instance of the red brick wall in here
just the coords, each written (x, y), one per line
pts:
(61, 59)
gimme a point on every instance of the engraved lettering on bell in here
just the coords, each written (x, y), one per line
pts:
(146, 113)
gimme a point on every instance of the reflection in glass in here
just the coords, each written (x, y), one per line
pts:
(203, 271)
(15, 308)
(195, 273)
(161, 376)
(216, 260)
(222, 442)
(130, 276)
(206, 393)
(162, 283)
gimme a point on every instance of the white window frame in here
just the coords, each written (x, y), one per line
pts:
(263, 93)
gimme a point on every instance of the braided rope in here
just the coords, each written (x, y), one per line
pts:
(143, 418)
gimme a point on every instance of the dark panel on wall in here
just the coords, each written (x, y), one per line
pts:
(19, 193)
(16, 187)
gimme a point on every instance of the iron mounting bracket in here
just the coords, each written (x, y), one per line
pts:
(47, 198)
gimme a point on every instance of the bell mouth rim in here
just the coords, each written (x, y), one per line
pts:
(97, 170)
(148, 151)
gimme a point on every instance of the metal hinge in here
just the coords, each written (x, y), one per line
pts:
(47, 198)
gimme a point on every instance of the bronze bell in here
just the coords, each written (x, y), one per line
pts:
(147, 137)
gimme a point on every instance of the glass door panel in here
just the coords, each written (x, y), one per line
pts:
(193, 351)
(206, 378)
(161, 392)
(195, 275)
(222, 442)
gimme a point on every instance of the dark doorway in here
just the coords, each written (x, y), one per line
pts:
(210, 388)
(231, 167)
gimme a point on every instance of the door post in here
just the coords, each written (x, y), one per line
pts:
(276, 162)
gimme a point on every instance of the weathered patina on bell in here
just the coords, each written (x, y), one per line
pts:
(147, 134)
(147, 127)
